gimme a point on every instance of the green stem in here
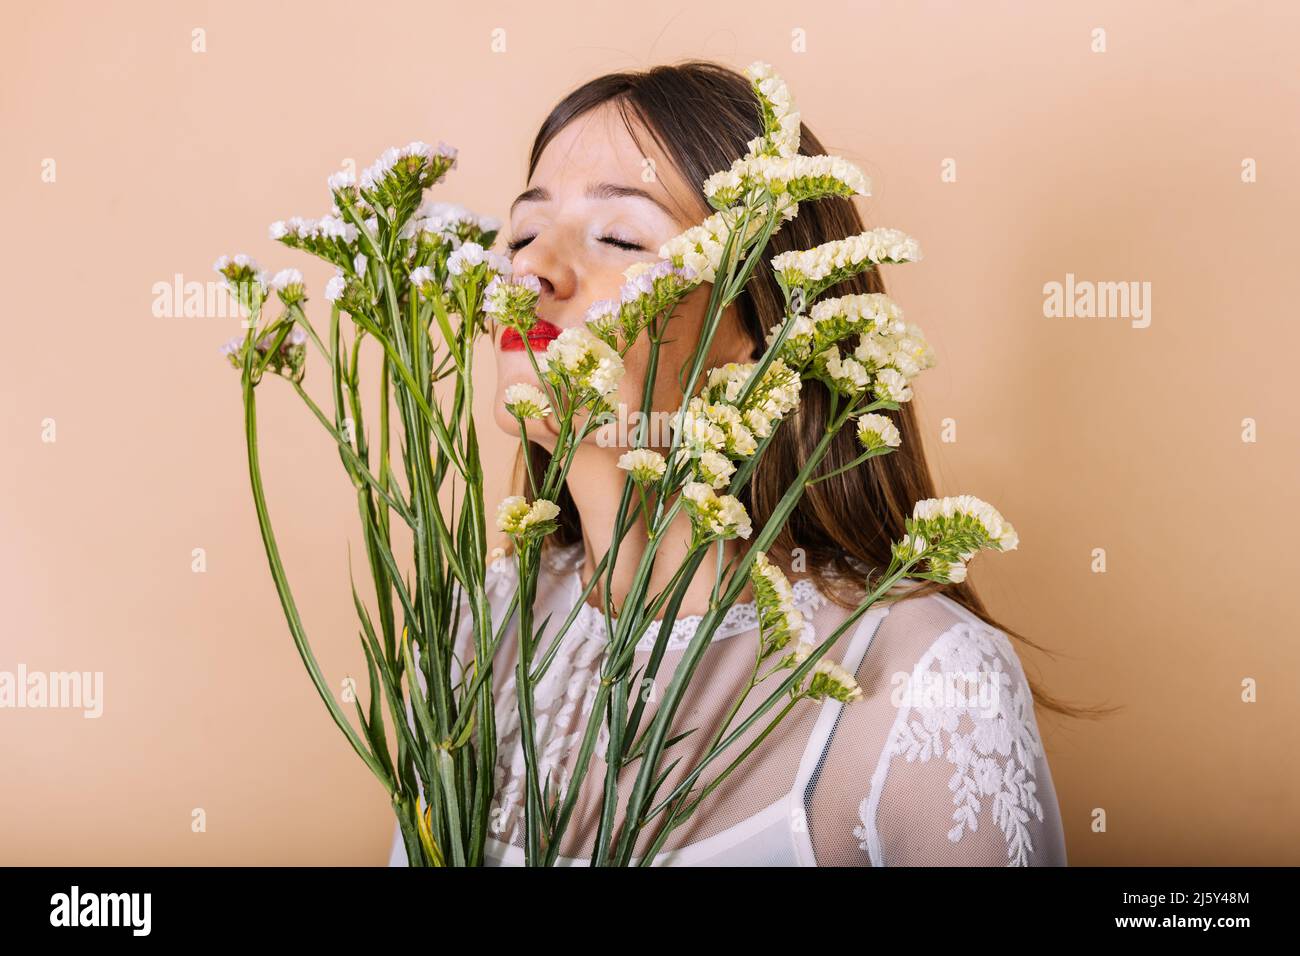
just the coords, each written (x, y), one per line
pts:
(286, 595)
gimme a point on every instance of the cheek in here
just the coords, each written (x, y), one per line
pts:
(679, 341)
(682, 337)
(503, 419)
(512, 367)
(674, 355)
(635, 369)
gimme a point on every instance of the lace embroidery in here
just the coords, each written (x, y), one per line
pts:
(740, 617)
(569, 686)
(997, 758)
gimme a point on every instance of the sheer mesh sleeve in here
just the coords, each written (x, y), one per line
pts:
(940, 763)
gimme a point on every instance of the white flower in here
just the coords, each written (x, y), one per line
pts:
(775, 395)
(947, 532)
(246, 281)
(287, 284)
(604, 380)
(966, 509)
(956, 572)
(467, 256)
(334, 288)
(727, 185)
(739, 438)
(868, 311)
(297, 231)
(516, 517)
(780, 118)
(713, 515)
(714, 427)
(715, 469)
(232, 348)
(911, 546)
(890, 385)
(699, 433)
(583, 360)
(848, 374)
(472, 254)
(877, 431)
(603, 317)
(512, 299)
(894, 357)
(911, 352)
(844, 257)
(341, 180)
(645, 465)
(417, 160)
(771, 580)
(332, 227)
(453, 222)
(779, 619)
(798, 341)
(798, 654)
(699, 247)
(527, 401)
(285, 278)
(1008, 540)
(239, 263)
(654, 287)
(422, 278)
(829, 679)
(802, 177)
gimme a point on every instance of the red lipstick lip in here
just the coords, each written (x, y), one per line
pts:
(539, 337)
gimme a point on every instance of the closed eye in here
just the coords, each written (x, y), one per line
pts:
(618, 243)
(514, 245)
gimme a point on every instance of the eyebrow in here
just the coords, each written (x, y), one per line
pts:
(594, 191)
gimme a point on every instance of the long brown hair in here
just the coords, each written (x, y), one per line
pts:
(702, 115)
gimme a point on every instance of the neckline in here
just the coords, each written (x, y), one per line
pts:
(740, 618)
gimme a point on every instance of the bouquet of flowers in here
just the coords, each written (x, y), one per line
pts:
(417, 283)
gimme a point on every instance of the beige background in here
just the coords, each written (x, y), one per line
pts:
(1115, 166)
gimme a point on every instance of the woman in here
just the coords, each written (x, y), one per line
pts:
(890, 779)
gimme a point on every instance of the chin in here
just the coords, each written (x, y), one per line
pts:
(504, 420)
(512, 368)
(539, 432)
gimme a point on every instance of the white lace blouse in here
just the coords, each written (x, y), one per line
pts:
(940, 763)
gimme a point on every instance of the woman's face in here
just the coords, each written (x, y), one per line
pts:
(596, 204)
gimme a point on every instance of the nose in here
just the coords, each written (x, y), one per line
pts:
(544, 258)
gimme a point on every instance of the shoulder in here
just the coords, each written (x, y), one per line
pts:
(951, 678)
(933, 632)
(941, 762)
(903, 633)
